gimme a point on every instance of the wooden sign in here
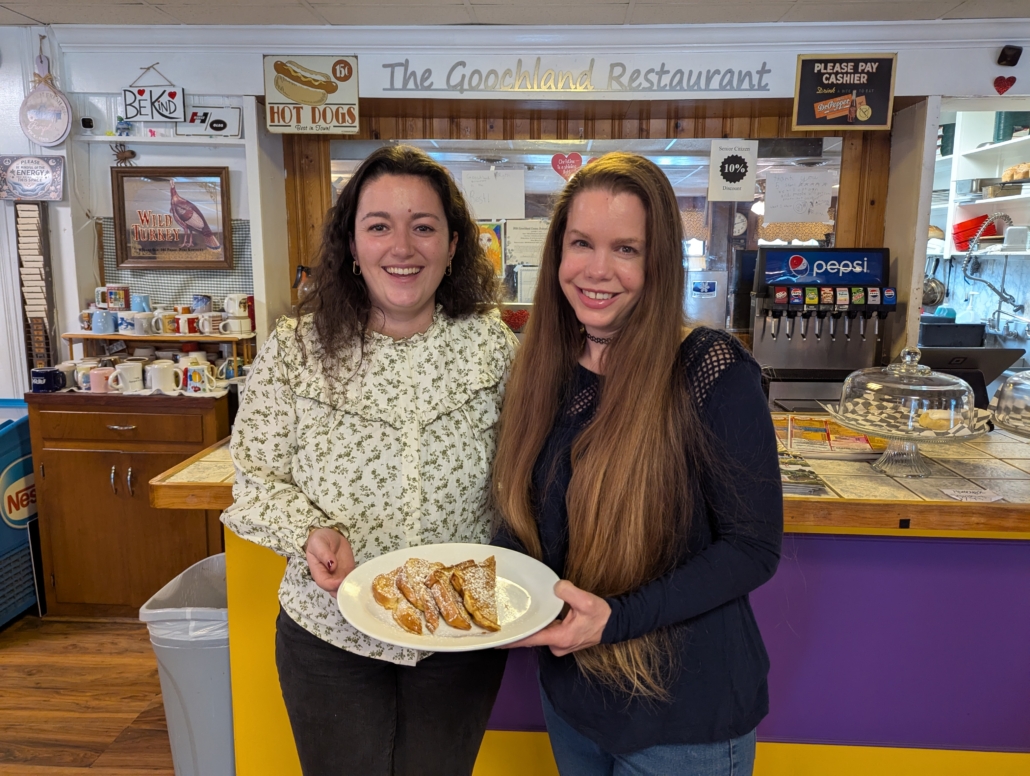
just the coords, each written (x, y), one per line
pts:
(154, 103)
(311, 94)
(844, 91)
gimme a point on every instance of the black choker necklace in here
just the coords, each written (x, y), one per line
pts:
(599, 340)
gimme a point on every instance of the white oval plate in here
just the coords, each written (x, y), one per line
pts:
(526, 602)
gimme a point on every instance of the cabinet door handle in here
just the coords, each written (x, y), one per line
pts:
(122, 428)
(128, 481)
(114, 488)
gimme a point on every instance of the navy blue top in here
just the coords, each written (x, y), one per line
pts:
(719, 690)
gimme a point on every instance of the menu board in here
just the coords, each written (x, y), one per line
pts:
(844, 91)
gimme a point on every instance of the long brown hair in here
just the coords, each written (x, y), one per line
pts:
(339, 299)
(630, 497)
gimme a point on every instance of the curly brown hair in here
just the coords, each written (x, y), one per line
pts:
(339, 300)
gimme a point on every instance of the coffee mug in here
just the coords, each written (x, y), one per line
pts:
(100, 296)
(229, 368)
(86, 320)
(143, 324)
(236, 305)
(167, 354)
(164, 323)
(187, 324)
(164, 377)
(200, 378)
(105, 322)
(68, 370)
(98, 377)
(126, 322)
(127, 377)
(148, 370)
(235, 326)
(146, 352)
(47, 379)
(209, 323)
(118, 297)
(141, 303)
(201, 303)
(82, 370)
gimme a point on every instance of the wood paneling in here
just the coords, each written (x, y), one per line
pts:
(864, 167)
(80, 698)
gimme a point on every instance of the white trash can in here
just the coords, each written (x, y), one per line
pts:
(189, 630)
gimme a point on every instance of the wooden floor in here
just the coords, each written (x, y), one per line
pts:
(80, 697)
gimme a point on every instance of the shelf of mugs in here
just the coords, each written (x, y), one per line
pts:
(245, 339)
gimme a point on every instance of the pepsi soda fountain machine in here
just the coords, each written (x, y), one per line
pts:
(818, 315)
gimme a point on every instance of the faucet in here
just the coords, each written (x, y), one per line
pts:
(974, 244)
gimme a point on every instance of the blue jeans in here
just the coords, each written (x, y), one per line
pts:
(577, 755)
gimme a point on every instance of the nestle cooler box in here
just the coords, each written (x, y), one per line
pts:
(17, 511)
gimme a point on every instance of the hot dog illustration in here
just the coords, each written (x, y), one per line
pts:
(301, 84)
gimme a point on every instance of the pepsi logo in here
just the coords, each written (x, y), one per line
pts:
(798, 265)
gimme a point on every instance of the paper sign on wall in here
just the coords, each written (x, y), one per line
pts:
(731, 171)
(798, 197)
(525, 241)
(154, 103)
(495, 194)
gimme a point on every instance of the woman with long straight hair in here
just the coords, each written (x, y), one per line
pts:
(367, 425)
(638, 461)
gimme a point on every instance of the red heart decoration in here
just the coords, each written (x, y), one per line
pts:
(566, 166)
(1003, 84)
(141, 92)
(171, 95)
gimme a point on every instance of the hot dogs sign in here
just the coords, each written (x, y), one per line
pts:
(311, 94)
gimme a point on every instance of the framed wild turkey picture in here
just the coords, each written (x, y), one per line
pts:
(172, 217)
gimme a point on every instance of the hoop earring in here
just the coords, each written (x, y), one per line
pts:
(355, 268)
(448, 270)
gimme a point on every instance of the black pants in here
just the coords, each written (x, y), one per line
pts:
(357, 715)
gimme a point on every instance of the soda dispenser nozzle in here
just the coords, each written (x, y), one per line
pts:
(834, 317)
(866, 315)
(791, 315)
(819, 316)
(804, 324)
(776, 315)
(848, 318)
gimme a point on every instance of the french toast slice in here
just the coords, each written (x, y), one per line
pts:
(451, 610)
(478, 585)
(412, 578)
(407, 616)
(385, 591)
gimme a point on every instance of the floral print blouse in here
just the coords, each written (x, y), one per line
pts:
(398, 455)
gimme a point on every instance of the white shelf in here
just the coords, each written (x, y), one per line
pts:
(131, 141)
(1009, 150)
(995, 200)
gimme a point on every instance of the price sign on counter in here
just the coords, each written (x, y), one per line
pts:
(971, 495)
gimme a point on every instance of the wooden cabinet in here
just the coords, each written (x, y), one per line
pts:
(105, 549)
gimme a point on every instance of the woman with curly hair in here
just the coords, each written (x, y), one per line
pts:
(638, 461)
(367, 425)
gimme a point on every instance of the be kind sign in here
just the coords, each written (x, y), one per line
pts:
(154, 103)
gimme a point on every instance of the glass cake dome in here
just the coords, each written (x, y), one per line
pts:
(908, 403)
(907, 398)
(1012, 410)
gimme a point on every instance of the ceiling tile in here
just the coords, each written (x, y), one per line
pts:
(552, 14)
(897, 10)
(393, 14)
(239, 5)
(11, 17)
(990, 9)
(107, 13)
(221, 14)
(523, 3)
(713, 13)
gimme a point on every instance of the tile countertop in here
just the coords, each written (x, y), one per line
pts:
(863, 502)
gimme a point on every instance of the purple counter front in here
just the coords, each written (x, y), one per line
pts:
(879, 641)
